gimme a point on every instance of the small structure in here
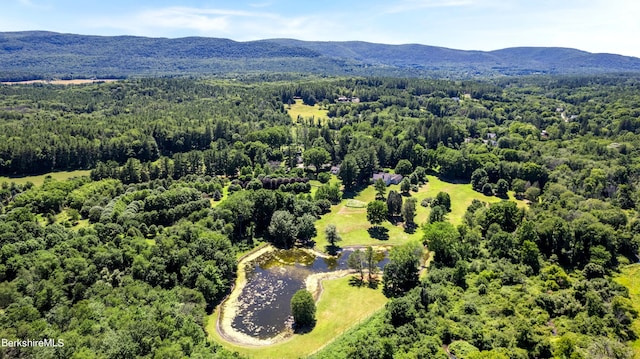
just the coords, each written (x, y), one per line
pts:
(348, 99)
(335, 170)
(387, 178)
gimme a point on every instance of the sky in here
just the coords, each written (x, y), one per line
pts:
(611, 26)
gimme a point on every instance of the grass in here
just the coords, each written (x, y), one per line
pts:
(353, 226)
(225, 194)
(39, 180)
(630, 278)
(305, 111)
(334, 316)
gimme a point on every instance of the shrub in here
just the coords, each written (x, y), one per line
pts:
(303, 308)
(324, 177)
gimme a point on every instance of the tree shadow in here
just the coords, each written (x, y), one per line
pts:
(332, 249)
(355, 281)
(373, 283)
(410, 228)
(379, 233)
(353, 192)
(303, 329)
(307, 244)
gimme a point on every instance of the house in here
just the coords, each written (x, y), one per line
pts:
(348, 99)
(387, 178)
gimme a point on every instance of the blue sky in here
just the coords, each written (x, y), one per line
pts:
(593, 25)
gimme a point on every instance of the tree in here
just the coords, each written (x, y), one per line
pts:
(532, 193)
(506, 214)
(356, 261)
(283, 228)
(303, 308)
(405, 185)
(529, 254)
(381, 189)
(306, 227)
(332, 234)
(409, 211)
(502, 187)
(479, 178)
(316, 156)
(349, 171)
(437, 214)
(487, 189)
(442, 199)
(404, 167)
(376, 212)
(624, 197)
(401, 273)
(394, 203)
(443, 239)
(370, 258)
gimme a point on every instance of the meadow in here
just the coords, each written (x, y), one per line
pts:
(335, 315)
(39, 179)
(352, 224)
(299, 109)
(630, 277)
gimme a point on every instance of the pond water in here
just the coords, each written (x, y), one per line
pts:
(264, 308)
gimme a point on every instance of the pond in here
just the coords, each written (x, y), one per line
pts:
(264, 309)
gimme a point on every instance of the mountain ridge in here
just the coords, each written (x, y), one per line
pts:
(43, 54)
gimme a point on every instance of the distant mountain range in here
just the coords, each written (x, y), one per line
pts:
(44, 55)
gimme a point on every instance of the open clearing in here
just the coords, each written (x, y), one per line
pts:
(39, 179)
(353, 227)
(630, 278)
(305, 111)
(335, 315)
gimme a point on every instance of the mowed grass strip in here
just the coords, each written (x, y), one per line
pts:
(352, 224)
(306, 111)
(334, 315)
(39, 180)
(630, 278)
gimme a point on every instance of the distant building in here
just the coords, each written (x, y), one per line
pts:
(387, 178)
(348, 99)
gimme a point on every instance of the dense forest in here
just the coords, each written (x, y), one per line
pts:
(187, 173)
(32, 55)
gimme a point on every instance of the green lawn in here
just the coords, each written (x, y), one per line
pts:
(225, 194)
(353, 226)
(305, 111)
(39, 180)
(630, 278)
(334, 316)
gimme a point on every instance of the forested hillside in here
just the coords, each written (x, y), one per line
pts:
(187, 173)
(33, 55)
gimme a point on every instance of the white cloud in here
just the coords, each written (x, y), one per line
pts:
(236, 24)
(414, 5)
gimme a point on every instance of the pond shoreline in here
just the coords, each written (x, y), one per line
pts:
(228, 307)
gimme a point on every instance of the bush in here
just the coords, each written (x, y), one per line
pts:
(324, 206)
(324, 177)
(303, 308)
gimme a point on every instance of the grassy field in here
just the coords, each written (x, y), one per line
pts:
(334, 316)
(353, 226)
(630, 278)
(39, 180)
(305, 111)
